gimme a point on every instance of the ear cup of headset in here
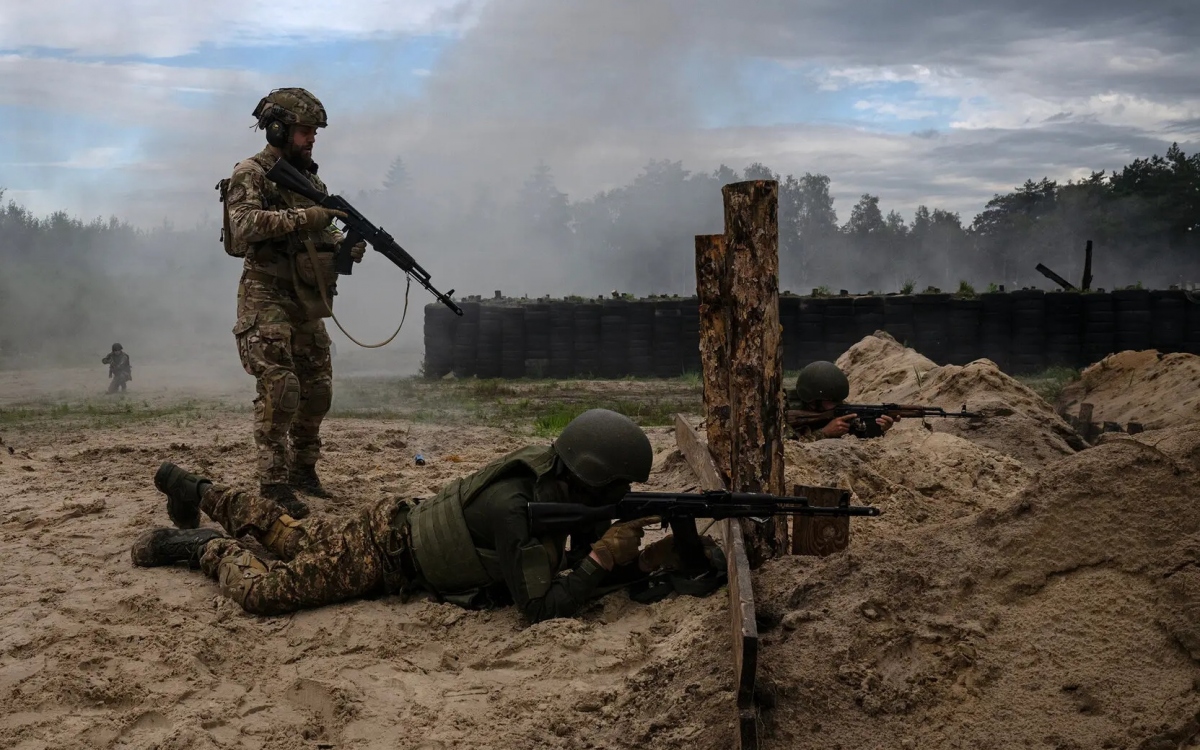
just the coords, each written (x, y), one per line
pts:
(277, 133)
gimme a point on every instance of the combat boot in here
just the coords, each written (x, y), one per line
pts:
(305, 479)
(183, 490)
(169, 546)
(286, 497)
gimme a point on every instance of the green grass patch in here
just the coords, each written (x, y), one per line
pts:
(1050, 383)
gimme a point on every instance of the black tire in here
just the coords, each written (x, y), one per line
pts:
(487, 357)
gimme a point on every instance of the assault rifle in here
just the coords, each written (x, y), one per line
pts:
(679, 511)
(864, 425)
(358, 228)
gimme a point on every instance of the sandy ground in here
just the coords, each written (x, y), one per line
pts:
(1020, 591)
(1157, 390)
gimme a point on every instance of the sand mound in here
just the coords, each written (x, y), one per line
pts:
(1157, 390)
(1018, 423)
(1064, 616)
(916, 477)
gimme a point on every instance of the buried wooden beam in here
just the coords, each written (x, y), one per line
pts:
(744, 627)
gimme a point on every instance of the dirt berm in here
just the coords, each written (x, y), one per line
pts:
(1066, 616)
(1017, 422)
(1154, 389)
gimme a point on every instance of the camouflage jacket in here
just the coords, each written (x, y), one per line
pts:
(268, 220)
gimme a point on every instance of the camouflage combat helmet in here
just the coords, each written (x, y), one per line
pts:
(822, 381)
(602, 446)
(291, 107)
(116, 347)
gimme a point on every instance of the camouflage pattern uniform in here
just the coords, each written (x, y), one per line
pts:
(322, 560)
(119, 369)
(327, 560)
(286, 350)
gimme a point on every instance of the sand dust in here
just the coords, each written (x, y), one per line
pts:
(1157, 390)
(1020, 591)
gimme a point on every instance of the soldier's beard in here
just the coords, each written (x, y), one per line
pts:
(297, 157)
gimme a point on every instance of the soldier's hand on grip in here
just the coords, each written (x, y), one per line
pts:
(621, 543)
(358, 250)
(319, 217)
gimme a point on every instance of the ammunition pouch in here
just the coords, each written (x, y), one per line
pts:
(316, 281)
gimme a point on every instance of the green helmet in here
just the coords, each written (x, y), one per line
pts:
(822, 381)
(291, 107)
(602, 446)
(116, 347)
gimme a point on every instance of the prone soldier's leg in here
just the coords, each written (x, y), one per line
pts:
(314, 368)
(331, 561)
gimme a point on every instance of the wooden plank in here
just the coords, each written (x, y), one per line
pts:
(820, 536)
(743, 626)
(696, 452)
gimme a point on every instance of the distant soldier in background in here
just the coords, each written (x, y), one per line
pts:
(120, 371)
(287, 242)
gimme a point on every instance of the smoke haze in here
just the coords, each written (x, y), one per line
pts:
(629, 108)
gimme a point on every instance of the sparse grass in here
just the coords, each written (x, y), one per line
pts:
(965, 289)
(544, 405)
(993, 287)
(909, 286)
(1049, 383)
(107, 412)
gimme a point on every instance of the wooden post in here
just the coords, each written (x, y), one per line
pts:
(755, 367)
(741, 593)
(820, 536)
(1087, 267)
(712, 291)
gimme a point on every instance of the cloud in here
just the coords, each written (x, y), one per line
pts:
(169, 28)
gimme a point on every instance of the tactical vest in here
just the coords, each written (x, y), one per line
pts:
(442, 546)
(272, 256)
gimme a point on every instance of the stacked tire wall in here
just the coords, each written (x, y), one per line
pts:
(1023, 331)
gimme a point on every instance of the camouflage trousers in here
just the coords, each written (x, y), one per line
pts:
(118, 382)
(322, 559)
(288, 355)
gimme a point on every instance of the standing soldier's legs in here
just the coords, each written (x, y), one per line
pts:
(323, 561)
(264, 339)
(314, 368)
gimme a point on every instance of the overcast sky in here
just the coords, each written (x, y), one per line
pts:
(136, 108)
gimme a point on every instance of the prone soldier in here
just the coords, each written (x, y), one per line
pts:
(471, 544)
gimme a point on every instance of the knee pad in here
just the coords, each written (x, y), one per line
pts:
(283, 391)
(238, 573)
(320, 395)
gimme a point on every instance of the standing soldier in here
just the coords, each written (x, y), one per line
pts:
(287, 242)
(120, 371)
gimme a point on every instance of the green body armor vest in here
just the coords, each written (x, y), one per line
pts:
(447, 557)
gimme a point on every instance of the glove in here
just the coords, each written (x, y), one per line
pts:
(620, 543)
(319, 217)
(358, 250)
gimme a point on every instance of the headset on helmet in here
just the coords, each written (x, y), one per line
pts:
(279, 110)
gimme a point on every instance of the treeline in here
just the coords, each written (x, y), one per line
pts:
(1144, 220)
(81, 285)
(71, 288)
